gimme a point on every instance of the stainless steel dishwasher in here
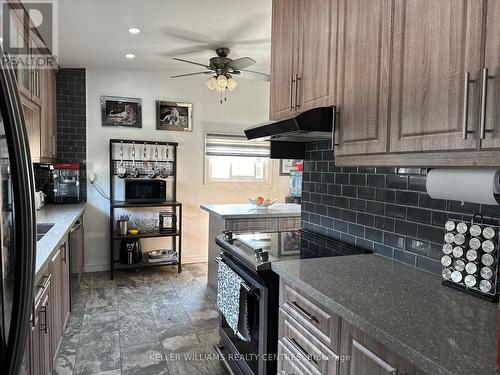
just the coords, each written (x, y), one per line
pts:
(76, 258)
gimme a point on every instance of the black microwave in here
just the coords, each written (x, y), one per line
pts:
(145, 190)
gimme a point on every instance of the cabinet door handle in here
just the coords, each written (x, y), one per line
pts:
(290, 86)
(303, 312)
(484, 92)
(292, 93)
(465, 114)
(297, 81)
(44, 326)
(301, 350)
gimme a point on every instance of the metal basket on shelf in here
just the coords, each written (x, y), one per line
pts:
(146, 225)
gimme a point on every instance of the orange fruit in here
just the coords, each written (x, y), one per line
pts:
(260, 200)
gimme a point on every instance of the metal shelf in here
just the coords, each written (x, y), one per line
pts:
(123, 204)
(154, 234)
(176, 206)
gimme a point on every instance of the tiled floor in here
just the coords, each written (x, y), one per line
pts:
(155, 321)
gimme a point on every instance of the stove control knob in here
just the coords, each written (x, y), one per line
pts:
(227, 234)
(264, 256)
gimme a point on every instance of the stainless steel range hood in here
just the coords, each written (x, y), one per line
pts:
(310, 126)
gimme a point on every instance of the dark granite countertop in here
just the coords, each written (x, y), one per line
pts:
(441, 330)
(63, 216)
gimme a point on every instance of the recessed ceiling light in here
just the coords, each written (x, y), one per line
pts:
(130, 56)
(134, 30)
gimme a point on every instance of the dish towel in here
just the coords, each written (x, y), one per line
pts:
(232, 301)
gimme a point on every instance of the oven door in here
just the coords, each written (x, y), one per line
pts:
(247, 356)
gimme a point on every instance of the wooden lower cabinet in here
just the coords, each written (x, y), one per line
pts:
(367, 356)
(314, 340)
(50, 315)
(40, 357)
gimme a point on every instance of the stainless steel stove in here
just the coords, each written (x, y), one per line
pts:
(251, 257)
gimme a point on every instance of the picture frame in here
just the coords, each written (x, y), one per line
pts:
(121, 112)
(289, 243)
(285, 166)
(174, 116)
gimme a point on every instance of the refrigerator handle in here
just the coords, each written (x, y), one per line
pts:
(24, 217)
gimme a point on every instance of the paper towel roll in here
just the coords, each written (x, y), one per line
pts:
(469, 185)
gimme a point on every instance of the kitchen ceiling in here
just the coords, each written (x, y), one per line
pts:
(93, 33)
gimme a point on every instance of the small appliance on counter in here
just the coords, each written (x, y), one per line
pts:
(470, 257)
(66, 183)
(130, 252)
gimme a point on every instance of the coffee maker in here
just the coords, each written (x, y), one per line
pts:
(66, 188)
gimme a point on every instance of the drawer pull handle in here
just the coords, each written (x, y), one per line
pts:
(303, 312)
(302, 351)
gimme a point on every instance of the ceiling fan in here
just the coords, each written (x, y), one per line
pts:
(222, 69)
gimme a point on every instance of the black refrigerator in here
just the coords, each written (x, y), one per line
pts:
(17, 226)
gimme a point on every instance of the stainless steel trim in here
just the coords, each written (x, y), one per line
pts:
(484, 92)
(297, 79)
(216, 260)
(224, 361)
(302, 312)
(466, 105)
(334, 128)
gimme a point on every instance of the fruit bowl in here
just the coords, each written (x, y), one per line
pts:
(262, 203)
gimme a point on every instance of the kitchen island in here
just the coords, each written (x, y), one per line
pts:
(245, 218)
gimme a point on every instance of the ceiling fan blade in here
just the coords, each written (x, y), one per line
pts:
(251, 74)
(190, 62)
(191, 74)
(241, 63)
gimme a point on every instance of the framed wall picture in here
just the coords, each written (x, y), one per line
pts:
(285, 166)
(175, 116)
(121, 112)
(289, 243)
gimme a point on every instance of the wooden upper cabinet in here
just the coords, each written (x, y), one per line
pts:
(492, 63)
(283, 57)
(49, 117)
(32, 119)
(364, 45)
(436, 43)
(315, 75)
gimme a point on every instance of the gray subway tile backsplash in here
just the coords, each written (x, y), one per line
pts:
(383, 209)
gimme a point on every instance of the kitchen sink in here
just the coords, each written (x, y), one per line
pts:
(42, 229)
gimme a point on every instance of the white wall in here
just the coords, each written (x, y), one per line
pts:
(247, 105)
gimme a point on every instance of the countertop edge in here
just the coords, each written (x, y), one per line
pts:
(421, 361)
(43, 265)
(260, 214)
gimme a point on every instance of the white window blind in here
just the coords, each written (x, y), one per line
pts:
(235, 145)
(233, 158)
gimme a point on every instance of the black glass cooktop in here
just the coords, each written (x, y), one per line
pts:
(284, 246)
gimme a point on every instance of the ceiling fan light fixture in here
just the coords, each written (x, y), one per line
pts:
(222, 81)
(134, 30)
(231, 83)
(211, 83)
